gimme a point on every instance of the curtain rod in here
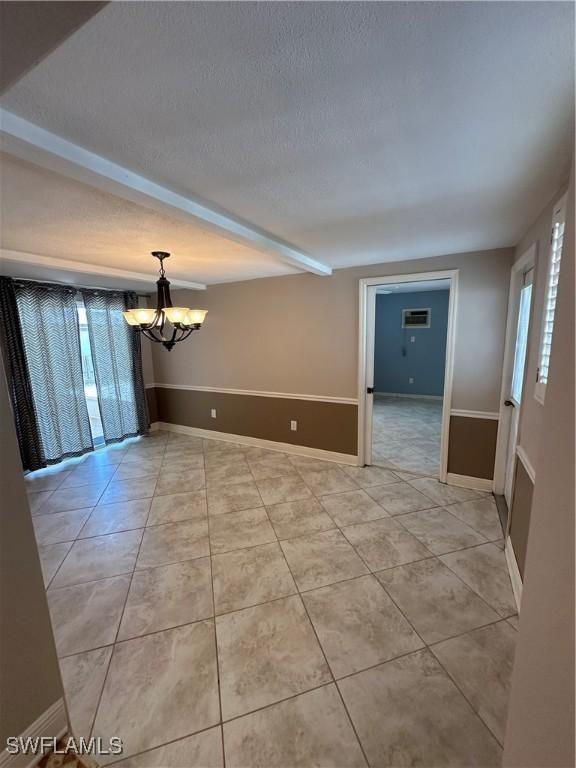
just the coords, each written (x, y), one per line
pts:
(74, 285)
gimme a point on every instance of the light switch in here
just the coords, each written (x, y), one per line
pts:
(213, 413)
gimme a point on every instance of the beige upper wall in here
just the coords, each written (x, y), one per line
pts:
(540, 730)
(299, 334)
(532, 410)
(29, 674)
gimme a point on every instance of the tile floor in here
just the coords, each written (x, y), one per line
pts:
(406, 434)
(212, 602)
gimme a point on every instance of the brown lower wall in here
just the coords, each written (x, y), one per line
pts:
(152, 404)
(472, 446)
(520, 513)
(330, 426)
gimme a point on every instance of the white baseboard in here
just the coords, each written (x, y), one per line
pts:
(52, 723)
(464, 481)
(412, 397)
(271, 445)
(514, 572)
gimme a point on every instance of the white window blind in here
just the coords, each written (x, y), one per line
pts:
(550, 299)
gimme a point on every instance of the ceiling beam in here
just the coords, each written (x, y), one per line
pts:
(82, 267)
(30, 142)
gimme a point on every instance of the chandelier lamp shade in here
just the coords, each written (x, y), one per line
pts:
(166, 324)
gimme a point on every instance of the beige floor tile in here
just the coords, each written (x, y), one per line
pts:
(43, 480)
(321, 559)
(173, 542)
(514, 622)
(267, 653)
(441, 493)
(276, 466)
(126, 490)
(480, 514)
(232, 498)
(275, 490)
(308, 464)
(369, 476)
(114, 518)
(484, 569)
(99, 558)
(237, 530)
(59, 526)
(223, 459)
(434, 600)
(358, 625)
(481, 664)
(182, 462)
(440, 531)
(175, 507)
(87, 615)
(352, 507)
(312, 729)
(180, 482)
(399, 498)
(167, 596)
(295, 518)
(328, 481)
(160, 687)
(427, 722)
(86, 474)
(51, 558)
(250, 576)
(183, 444)
(37, 501)
(83, 678)
(81, 497)
(229, 474)
(384, 543)
(131, 470)
(202, 750)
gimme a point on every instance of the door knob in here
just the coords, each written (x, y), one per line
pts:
(509, 403)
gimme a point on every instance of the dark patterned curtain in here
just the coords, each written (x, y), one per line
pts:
(49, 322)
(120, 392)
(131, 302)
(19, 384)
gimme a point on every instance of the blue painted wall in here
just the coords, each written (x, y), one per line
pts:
(424, 358)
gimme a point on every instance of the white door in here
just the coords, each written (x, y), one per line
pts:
(514, 399)
(370, 333)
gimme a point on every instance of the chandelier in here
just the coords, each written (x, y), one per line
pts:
(152, 322)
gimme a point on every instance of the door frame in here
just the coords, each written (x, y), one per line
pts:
(528, 258)
(366, 327)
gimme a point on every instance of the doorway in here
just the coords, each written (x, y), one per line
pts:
(406, 347)
(519, 305)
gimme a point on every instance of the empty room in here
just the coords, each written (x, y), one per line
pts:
(287, 388)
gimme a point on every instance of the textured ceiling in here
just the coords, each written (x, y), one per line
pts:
(48, 214)
(359, 132)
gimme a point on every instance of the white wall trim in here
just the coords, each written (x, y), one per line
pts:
(530, 471)
(465, 481)
(258, 393)
(258, 442)
(412, 397)
(53, 723)
(514, 572)
(366, 357)
(475, 414)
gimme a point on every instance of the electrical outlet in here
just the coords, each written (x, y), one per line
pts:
(213, 413)
(412, 339)
(410, 380)
(293, 426)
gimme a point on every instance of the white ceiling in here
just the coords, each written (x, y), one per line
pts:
(49, 214)
(357, 132)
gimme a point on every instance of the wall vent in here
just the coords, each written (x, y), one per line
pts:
(416, 318)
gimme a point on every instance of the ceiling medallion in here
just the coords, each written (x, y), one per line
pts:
(152, 322)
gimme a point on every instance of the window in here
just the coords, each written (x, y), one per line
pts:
(521, 337)
(553, 274)
(90, 392)
(416, 318)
